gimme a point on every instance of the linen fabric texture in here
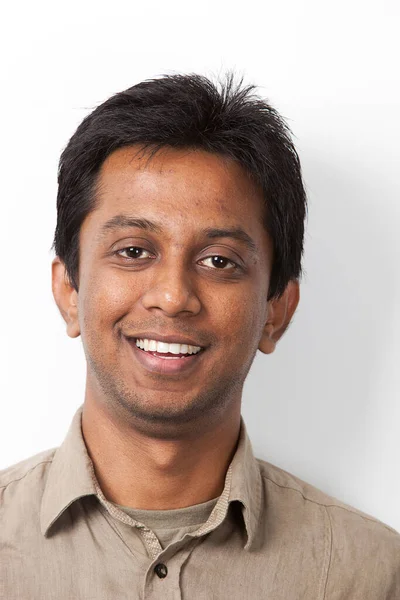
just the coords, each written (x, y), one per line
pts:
(268, 536)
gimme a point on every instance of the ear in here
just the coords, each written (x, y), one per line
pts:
(280, 313)
(66, 297)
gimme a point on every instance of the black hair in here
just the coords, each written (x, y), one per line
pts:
(189, 111)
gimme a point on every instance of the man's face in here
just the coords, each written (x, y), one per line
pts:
(175, 252)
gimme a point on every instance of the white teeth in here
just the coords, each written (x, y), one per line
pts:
(175, 348)
(162, 347)
(166, 348)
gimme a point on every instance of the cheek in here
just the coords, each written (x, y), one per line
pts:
(240, 320)
(102, 302)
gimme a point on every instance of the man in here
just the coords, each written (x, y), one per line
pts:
(179, 241)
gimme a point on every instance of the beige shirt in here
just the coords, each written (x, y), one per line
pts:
(269, 535)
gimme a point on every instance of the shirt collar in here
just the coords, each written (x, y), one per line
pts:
(246, 484)
(71, 476)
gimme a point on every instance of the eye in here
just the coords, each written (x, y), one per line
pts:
(218, 262)
(134, 252)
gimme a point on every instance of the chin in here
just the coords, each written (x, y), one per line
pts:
(165, 408)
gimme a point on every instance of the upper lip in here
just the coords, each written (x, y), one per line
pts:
(172, 338)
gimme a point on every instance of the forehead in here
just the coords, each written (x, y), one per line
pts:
(187, 187)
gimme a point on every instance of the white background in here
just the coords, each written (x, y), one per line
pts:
(326, 405)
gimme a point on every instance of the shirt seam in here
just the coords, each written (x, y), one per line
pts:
(44, 462)
(330, 552)
(349, 510)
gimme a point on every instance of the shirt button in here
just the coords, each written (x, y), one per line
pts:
(161, 570)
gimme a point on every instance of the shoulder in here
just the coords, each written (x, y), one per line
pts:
(338, 512)
(363, 550)
(25, 478)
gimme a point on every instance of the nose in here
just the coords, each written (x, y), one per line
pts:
(171, 291)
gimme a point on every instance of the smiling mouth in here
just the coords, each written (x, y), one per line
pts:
(166, 350)
(167, 359)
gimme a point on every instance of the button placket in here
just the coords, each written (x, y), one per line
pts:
(151, 541)
(168, 587)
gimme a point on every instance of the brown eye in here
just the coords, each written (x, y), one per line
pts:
(218, 262)
(134, 252)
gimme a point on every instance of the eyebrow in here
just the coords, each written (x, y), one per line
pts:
(235, 233)
(125, 222)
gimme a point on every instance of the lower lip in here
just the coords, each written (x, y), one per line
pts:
(167, 365)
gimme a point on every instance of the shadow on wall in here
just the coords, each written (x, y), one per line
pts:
(309, 406)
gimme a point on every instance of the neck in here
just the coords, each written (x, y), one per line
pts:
(141, 471)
